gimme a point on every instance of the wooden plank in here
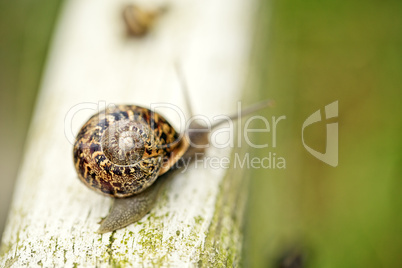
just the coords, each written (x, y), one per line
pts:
(197, 220)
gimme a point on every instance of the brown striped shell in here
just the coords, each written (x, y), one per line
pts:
(121, 151)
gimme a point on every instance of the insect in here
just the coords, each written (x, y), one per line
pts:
(139, 20)
(128, 152)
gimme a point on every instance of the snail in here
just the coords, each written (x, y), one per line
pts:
(138, 20)
(128, 152)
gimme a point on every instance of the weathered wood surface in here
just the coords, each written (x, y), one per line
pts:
(196, 221)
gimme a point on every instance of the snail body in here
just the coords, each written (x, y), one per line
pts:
(129, 152)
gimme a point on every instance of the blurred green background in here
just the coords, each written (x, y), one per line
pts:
(307, 54)
(25, 31)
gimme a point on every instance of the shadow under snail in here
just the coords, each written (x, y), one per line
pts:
(128, 152)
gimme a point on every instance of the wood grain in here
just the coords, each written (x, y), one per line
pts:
(197, 221)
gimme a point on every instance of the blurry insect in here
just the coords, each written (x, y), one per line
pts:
(294, 257)
(139, 20)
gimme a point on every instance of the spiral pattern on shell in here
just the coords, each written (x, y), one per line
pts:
(121, 151)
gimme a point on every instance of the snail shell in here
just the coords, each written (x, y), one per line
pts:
(121, 151)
